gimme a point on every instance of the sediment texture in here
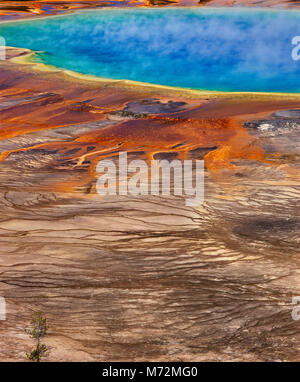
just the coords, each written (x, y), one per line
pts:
(147, 278)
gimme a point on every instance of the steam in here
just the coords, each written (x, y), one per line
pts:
(208, 49)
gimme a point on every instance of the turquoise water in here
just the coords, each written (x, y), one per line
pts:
(215, 49)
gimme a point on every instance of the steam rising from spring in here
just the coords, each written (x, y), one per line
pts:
(216, 49)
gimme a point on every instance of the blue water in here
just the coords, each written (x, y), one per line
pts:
(215, 49)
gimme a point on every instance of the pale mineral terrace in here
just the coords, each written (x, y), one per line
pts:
(24, 9)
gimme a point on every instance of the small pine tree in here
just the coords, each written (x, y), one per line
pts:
(39, 330)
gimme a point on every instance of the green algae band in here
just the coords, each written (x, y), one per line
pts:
(215, 49)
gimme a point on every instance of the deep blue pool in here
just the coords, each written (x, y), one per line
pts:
(215, 49)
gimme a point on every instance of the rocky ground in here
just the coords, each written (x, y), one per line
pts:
(10, 9)
(147, 278)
